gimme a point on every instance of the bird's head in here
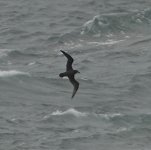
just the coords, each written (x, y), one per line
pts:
(76, 71)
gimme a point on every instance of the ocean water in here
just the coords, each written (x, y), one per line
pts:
(110, 42)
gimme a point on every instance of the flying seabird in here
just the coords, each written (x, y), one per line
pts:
(70, 72)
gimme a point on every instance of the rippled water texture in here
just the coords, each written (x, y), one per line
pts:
(110, 42)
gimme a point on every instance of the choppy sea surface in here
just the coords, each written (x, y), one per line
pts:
(111, 44)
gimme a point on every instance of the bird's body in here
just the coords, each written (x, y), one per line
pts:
(70, 72)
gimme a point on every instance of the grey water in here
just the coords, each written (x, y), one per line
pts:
(110, 42)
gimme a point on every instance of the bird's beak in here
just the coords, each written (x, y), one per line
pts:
(78, 72)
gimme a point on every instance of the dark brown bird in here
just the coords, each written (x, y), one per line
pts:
(70, 72)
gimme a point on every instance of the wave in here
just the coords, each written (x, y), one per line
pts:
(112, 28)
(83, 46)
(142, 41)
(108, 24)
(77, 113)
(108, 42)
(110, 115)
(10, 73)
(123, 119)
(70, 111)
(16, 53)
(4, 52)
(12, 53)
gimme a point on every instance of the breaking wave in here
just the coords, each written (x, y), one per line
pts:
(70, 111)
(108, 24)
(77, 113)
(10, 73)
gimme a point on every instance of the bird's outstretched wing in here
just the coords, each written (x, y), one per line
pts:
(75, 85)
(69, 61)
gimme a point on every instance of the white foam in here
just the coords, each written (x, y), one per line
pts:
(89, 25)
(108, 42)
(3, 52)
(70, 111)
(122, 129)
(108, 116)
(9, 73)
(70, 45)
(32, 63)
(84, 78)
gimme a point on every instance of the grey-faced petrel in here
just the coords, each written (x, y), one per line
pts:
(70, 72)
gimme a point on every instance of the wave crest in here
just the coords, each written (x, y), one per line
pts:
(108, 24)
(11, 73)
(70, 111)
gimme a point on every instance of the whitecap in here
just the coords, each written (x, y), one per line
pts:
(108, 42)
(84, 78)
(70, 111)
(9, 73)
(3, 52)
(13, 119)
(92, 26)
(32, 63)
(70, 45)
(46, 117)
(109, 116)
(122, 129)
